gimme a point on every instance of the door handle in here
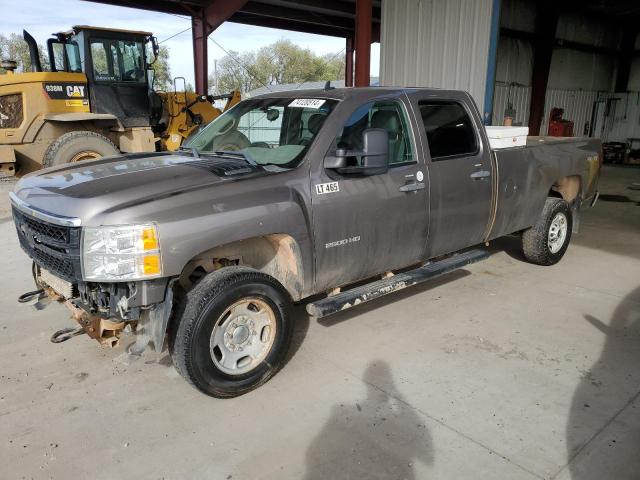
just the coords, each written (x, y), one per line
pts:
(412, 187)
(480, 174)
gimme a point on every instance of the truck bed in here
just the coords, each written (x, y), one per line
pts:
(525, 175)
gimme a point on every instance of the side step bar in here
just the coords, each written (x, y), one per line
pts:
(370, 291)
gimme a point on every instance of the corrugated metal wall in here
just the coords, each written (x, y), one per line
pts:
(577, 79)
(518, 96)
(436, 43)
(445, 43)
(577, 105)
(623, 121)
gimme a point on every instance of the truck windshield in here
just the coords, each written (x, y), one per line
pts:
(268, 131)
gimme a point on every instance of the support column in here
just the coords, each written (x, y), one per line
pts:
(363, 42)
(348, 63)
(546, 24)
(200, 62)
(491, 63)
(625, 58)
(203, 22)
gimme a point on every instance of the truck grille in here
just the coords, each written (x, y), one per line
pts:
(52, 247)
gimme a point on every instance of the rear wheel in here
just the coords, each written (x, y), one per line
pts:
(232, 332)
(76, 146)
(547, 241)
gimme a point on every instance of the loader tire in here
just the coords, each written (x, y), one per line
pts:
(546, 242)
(76, 146)
(231, 332)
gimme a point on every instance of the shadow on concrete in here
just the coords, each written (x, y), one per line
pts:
(300, 327)
(380, 437)
(592, 456)
(511, 245)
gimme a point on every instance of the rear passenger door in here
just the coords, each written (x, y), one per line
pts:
(366, 225)
(460, 173)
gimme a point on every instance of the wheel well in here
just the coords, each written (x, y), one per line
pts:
(276, 254)
(566, 188)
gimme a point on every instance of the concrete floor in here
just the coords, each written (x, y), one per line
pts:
(503, 370)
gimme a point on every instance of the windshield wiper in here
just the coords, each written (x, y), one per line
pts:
(193, 150)
(235, 155)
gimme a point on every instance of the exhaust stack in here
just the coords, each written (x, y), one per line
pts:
(36, 66)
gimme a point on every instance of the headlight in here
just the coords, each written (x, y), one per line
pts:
(118, 253)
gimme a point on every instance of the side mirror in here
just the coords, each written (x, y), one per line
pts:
(374, 153)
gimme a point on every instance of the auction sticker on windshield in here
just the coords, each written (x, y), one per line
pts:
(307, 103)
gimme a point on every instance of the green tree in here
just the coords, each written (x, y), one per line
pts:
(13, 47)
(162, 71)
(280, 62)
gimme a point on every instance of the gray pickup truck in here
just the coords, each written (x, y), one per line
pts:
(340, 194)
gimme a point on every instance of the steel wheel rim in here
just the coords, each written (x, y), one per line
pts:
(85, 155)
(557, 232)
(243, 336)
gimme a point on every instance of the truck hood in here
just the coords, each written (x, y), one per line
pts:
(87, 189)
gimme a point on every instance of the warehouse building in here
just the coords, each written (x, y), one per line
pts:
(520, 59)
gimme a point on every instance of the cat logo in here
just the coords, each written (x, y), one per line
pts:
(65, 90)
(75, 91)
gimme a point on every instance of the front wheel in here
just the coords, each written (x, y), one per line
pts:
(547, 241)
(76, 146)
(232, 333)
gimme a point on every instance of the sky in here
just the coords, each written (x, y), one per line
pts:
(41, 20)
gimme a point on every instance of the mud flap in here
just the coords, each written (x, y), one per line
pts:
(152, 326)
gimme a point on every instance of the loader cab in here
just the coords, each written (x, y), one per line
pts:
(116, 65)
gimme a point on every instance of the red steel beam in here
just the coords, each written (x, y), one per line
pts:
(200, 37)
(363, 42)
(348, 64)
(203, 22)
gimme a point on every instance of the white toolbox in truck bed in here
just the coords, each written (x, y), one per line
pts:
(507, 137)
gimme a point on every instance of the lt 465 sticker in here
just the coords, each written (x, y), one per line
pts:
(331, 187)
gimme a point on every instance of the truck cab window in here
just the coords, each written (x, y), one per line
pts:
(99, 57)
(73, 56)
(269, 131)
(261, 126)
(132, 54)
(449, 129)
(388, 115)
(117, 60)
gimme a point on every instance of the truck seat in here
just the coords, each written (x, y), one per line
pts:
(313, 125)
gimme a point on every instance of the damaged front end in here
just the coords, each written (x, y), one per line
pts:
(103, 311)
(62, 253)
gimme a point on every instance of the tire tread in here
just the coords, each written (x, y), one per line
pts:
(62, 140)
(534, 239)
(189, 310)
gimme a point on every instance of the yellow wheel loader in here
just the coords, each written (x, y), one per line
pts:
(97, 100)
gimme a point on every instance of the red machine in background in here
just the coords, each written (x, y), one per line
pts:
(559, 127)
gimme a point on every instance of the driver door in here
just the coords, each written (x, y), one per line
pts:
(367, 225)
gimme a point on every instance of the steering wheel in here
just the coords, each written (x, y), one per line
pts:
(260, 145)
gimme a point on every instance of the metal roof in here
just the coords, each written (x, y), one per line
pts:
(77, 28)
(323, 17)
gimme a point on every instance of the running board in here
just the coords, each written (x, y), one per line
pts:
(371, 291)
